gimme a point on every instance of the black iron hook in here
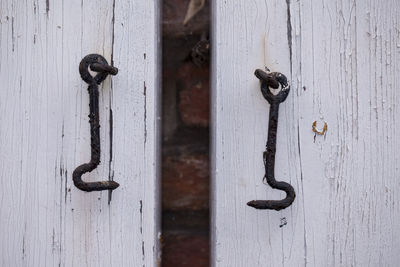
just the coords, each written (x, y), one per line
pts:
(99, 64)
(273, 80)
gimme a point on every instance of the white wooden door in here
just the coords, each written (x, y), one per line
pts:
(44, 134)
(342, 58)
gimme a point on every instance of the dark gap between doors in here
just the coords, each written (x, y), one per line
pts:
(185, 135)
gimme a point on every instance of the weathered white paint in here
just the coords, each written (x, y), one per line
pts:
(44, 219)
(342, 58)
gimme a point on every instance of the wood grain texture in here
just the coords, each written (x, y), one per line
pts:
(342, 58)
(44, 219)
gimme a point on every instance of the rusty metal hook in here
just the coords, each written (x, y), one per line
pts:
(99, 64)
(273, 80)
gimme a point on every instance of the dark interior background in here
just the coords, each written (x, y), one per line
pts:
(185, 162)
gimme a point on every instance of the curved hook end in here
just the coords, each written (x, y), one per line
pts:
(91, 186)
(96, 186)
(275, 204)
(259, 204)
(270, 204)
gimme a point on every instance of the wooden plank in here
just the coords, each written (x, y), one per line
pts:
(341, 58)
(44, 219)
(136, 52)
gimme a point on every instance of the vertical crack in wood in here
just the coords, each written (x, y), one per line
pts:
(289, 33)
(141, 229)
(110, 170)
(302, 193)
(12, 34)
(47, 7)
(145, 112)
(298, 122)
(112, 35)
